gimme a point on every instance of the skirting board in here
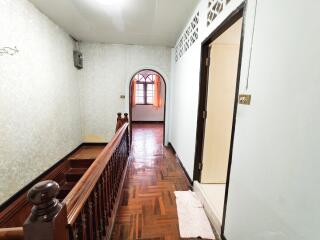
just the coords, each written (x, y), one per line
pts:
(181, 164)
(213, 218)
(23, 190)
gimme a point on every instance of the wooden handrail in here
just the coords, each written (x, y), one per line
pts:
(80, 193)
(11, 233)
(89, 210)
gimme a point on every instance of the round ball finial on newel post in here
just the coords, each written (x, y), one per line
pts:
(48, 217)
(43, 196)
(126, 119)
(119, 115)
(119, 121)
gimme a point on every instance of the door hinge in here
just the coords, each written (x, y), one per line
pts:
(207, 61)
(200, 166)
(204, 114)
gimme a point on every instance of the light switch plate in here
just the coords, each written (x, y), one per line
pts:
(245, 99)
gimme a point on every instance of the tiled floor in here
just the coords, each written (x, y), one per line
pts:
(148, 209)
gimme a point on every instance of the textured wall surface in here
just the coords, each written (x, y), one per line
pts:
(106, 75)
(39, 96)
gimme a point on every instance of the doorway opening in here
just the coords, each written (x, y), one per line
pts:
(218, 99)
(147, 101)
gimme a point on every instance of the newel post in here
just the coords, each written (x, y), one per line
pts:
(126, 119)
(48, 218)
(119, 121)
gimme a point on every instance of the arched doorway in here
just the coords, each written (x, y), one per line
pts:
(147, 99)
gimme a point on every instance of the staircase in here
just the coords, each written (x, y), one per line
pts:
(79, 198)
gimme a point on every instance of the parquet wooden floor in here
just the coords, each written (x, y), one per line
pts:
(148, 208)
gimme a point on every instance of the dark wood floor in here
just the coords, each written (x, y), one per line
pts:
(148, 209)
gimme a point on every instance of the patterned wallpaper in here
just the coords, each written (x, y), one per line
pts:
(108, 69)
(47, 107)
(39, 96)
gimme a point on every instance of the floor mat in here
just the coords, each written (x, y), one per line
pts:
(193, 221)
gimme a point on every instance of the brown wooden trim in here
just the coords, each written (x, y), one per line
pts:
(171, 147)
(202, 102)
(12, 233)
(241, 12)
(19, 202)
(223, 237)
(23, 190)
(181, 164)
(130, 102)
(203, 92)
(94, 144)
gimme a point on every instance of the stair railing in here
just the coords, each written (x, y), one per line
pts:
(89, 210)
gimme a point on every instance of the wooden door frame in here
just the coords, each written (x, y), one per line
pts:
(203, 95)
(165, 101)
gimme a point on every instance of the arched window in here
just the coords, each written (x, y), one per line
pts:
(144, 89)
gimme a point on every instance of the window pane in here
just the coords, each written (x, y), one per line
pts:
(150, 100)
(139, 100)
(150, 87)
(145, 86)
(150, 93)
(140, 92)
(139, 87)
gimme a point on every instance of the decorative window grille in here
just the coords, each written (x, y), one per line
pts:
(144, 89)
(189, 37)
(215, 7)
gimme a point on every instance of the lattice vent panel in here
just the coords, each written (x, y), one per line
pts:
(215, 7)
(189, 37)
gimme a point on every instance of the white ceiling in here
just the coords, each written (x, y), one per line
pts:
(145, 22)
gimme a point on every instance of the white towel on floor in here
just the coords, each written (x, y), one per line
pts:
(193, 221)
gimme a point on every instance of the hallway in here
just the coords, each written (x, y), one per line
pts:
(148, 208)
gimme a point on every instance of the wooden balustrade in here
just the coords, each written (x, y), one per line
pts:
(91, 204)
(89, 209)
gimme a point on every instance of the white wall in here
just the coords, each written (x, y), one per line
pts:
(274, 177)
(149, 112)
(39, 96)
(275, 172)
(185, 84)
(108, 69)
